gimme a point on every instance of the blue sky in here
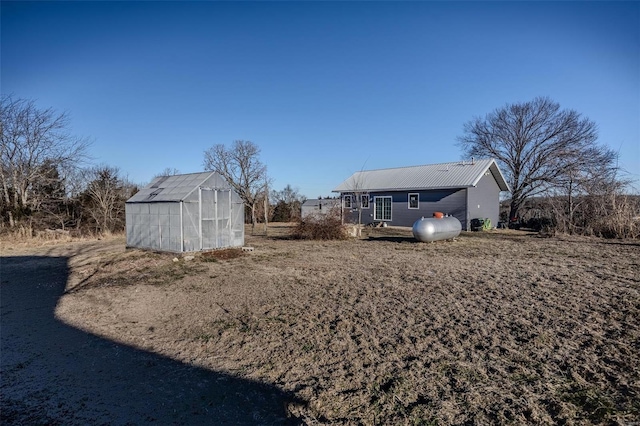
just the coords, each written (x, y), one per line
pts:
(323, 88)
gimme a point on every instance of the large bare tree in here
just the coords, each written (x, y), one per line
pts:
(536, 143)
(241, 167)
(32, 142)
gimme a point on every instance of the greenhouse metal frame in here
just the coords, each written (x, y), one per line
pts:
(185, 213)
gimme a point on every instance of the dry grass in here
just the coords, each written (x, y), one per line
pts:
(492, 328)
(223, 254)
(25, 237)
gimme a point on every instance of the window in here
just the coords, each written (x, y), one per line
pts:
(383, 208)
(364, 201)
(347, 201)
(414, 200)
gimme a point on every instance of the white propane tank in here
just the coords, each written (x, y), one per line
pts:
(433, 229)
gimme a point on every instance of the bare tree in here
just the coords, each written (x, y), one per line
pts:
(241, 167)
(358, 197)
(265, 200)
(105, 197)
(50, 199)
(592, 173)
(32, 141)
(168, 171)
(287, 203)
(536, 143)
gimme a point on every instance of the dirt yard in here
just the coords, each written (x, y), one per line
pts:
(492, 328)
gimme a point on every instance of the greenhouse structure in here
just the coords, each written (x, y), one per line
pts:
(185, 213)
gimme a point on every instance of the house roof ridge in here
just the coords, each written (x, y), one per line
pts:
(472, 162)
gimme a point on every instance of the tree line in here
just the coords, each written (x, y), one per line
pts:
(558, 173)
(46, 180)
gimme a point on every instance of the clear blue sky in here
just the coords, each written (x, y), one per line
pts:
(324, 88)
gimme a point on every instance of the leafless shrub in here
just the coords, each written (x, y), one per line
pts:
(320, 227)
(613, 216)
(606, 215)
(26, 235)
(604, 211)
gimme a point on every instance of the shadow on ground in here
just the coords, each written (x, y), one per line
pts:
(53, 373)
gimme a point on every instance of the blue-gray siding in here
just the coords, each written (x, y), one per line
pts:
(477, 194)
(448, 201)
(484, 200)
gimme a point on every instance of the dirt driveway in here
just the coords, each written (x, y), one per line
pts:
(54, 373)
(492, 328)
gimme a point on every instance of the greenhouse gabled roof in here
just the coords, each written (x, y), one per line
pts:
(171, 188)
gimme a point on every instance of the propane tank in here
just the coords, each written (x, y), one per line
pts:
(433, 229)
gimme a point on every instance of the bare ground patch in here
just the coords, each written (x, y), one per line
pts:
(496, 328)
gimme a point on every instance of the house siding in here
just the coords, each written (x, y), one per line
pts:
(483, 200)
(465, 190)
(449, 201)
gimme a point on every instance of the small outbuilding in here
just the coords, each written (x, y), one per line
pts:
(185, 213)
(466, 190)
(319, 207)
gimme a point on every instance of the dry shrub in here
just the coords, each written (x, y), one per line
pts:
(18, 233)
(24, 231)
(320, 227)
(27, 234)
(30, 233)
(603, 215)
(620, 218)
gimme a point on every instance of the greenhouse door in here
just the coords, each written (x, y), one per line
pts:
(215, 226)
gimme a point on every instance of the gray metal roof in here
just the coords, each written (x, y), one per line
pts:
(175, 188)
(314, 202)
(433, 176)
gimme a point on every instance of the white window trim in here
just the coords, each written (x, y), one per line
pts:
(409, 200)
(362, 198)
(345, 198)
(375, 210)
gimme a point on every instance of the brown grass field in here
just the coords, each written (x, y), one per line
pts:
(500, 327)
